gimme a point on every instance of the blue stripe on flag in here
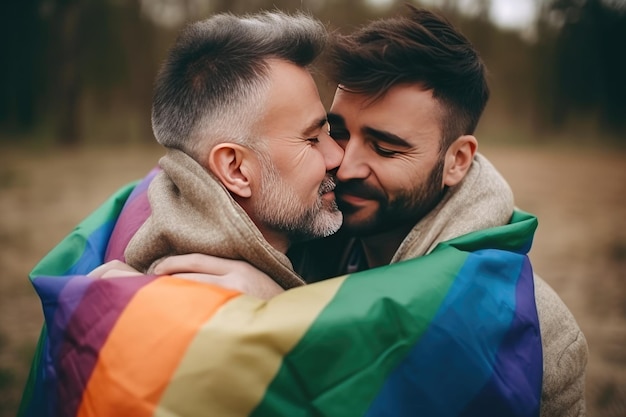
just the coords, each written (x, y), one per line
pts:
(455, 357)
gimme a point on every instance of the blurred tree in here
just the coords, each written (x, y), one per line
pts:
(119, 60)
(67, 42)
(58, 53)
(22, 74)
(105, 49)
(144, 48)
(588, 64)
(84, 69)
(509, 60)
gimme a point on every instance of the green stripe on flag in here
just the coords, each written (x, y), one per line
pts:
(360, 337)
(63, 256)
(516, 236)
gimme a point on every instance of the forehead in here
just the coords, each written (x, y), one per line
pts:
(293, 103)
(404, 110)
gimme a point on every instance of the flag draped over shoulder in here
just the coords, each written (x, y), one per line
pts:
(452, 333)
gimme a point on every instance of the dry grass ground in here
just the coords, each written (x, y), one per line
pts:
(580, 247)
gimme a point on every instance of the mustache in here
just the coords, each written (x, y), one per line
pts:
(360, 189)
(328, 184)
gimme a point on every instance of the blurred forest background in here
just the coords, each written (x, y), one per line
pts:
(77, 71)
(75, 99)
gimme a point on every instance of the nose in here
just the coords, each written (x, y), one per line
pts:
(354, 165)
(331, 151)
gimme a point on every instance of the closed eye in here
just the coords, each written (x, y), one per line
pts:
(384, 152)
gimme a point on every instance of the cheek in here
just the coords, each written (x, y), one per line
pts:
(391, 176)
(398, 176)
(305, 171)
(312, 165)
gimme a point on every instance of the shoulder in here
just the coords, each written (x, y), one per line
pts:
(564, 355)
(558, 325)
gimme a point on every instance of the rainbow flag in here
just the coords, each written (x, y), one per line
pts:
(453, 333)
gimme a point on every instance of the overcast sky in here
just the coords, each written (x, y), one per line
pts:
(515, 14)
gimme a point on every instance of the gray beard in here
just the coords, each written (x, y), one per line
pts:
(281, 209)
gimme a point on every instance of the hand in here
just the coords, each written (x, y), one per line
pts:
(227, 273)
(113, 269)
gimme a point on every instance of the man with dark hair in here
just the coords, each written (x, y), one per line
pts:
(411, 91)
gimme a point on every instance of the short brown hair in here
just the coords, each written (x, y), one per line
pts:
(418, 48)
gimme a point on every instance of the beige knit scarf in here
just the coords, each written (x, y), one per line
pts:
(192, 212)
(482, 200)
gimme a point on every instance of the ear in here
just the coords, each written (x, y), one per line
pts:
(458, 159)
(230, 163)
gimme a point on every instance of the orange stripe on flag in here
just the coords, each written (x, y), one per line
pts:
(130, 378)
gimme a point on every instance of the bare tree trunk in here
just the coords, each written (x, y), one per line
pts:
(69, 87)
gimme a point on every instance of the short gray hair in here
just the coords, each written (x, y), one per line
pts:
(212, 86)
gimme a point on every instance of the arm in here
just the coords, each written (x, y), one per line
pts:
(564, 355)
(113, 269)
(227, 273)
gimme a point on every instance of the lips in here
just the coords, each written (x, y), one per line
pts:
(352, 200)
(357, 192)
(327, 185)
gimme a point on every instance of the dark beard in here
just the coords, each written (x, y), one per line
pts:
(405, 210)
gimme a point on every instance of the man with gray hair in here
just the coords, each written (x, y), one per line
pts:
(249, 167)
(249, 159)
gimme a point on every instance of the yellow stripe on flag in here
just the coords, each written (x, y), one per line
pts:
(239, 350)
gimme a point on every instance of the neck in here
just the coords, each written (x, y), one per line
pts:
(278, 240)
(380, 248)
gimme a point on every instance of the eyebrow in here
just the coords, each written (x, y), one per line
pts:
(386, 137)
(316, 125)
(377, 134)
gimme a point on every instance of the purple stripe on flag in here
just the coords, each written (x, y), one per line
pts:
(134, 214)
(519, 385)
(50, 290)
(68, 299)
(102, 303)
(143, 185)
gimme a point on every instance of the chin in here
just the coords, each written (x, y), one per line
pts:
(358, 226)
